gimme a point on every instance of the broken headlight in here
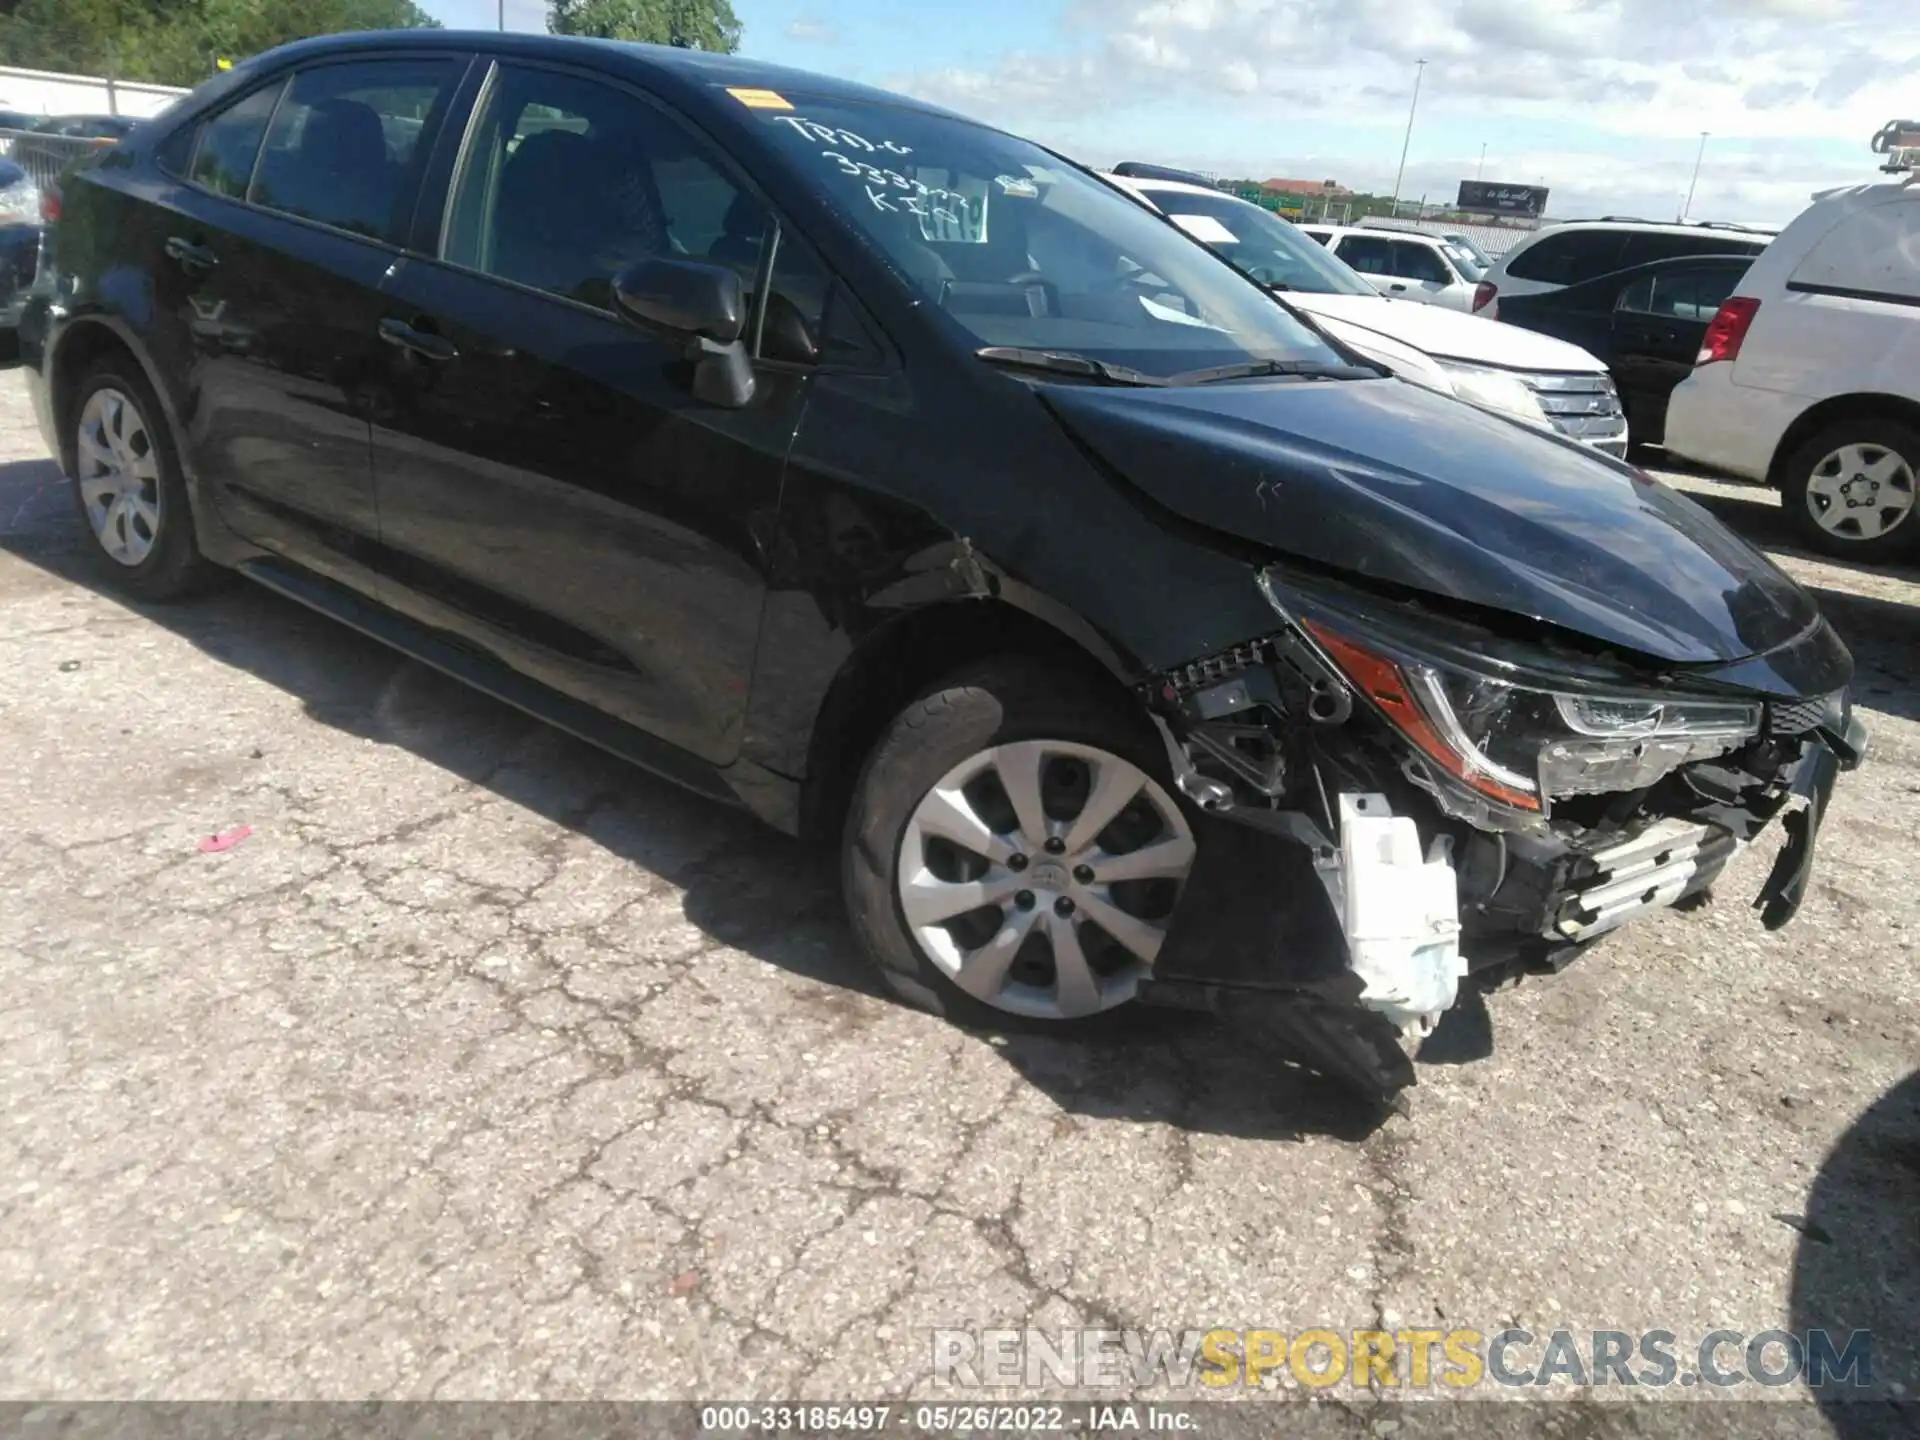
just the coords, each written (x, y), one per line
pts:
(1509, 731)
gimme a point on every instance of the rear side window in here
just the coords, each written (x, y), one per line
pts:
(1570, 257)
(1368, 254)
(1870, 252)
(344, 142)
(229, 142)
(567, 181)
(1643, 248)
(1692, 295)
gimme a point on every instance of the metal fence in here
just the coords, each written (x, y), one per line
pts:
(44, 157)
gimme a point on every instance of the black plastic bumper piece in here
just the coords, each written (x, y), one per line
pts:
(1346, 1043)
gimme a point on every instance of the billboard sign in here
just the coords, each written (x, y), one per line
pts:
(1494, 199)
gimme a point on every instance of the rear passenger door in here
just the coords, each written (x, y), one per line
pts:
(550, 491)
(1659, 322)
(290, 210)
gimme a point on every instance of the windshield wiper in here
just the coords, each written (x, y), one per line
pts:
(1066, 362)
(1245, 369)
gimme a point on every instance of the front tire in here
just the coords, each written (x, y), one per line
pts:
(128, 488)
(1014, 850)
(1850, 490)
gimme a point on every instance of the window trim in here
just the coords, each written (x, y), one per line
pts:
(285, 79)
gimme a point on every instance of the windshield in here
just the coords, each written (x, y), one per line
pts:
(1266, 247)
(1467, 257)
(1021, 250)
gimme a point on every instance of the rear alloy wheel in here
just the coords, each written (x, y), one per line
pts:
(1010, 853)
(127, 485)
(1850, 491)
(118, 472)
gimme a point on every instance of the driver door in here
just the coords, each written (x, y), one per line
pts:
(550, 491)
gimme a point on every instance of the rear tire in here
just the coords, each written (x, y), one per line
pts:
(1050, 912)
(128, 488)
(1850, 490)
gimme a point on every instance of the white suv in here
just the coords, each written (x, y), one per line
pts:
(1809, 377)
(1405, 265)
(1532, 378)
(1573, 252)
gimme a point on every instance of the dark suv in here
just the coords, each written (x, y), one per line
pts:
(908, 484)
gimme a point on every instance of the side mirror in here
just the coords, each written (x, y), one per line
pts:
(702, 305)
(683, 297)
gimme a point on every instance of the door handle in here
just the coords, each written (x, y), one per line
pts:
(423, 343)
(189, 255)
(1397, 289)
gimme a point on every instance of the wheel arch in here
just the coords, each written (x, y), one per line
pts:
(899, 658)
(81, 343)
(1863, 406)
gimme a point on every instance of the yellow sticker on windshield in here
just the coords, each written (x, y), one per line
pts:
(762, 99)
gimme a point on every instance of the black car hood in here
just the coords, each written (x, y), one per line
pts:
(1388, 481)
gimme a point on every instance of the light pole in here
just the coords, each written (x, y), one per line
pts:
(1687, 208)
(1400, 174)
(503, 14)
(1478, 169)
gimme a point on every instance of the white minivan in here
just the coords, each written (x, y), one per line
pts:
(1809, 377)
(1534, 378)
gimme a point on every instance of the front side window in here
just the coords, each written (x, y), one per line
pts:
(1414, 261)
(568, 181)
(1258, 243)
(230, 142)
(1017, 248)
(344, 141)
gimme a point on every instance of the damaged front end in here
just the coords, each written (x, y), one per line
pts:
(1404, 800)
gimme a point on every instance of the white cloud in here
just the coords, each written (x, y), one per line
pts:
(813, 31)
(1648, 75)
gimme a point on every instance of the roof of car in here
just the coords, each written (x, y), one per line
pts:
(688, 69)
(1177, 187)
(1374, 233)
(1659, 227)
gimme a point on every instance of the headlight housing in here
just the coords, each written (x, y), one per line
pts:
(1517, 735)
(1496, 390)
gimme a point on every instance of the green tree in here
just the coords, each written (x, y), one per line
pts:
(690, 24)
(174, 42)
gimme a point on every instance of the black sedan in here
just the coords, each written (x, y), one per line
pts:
(1646, 324)
(912, 486)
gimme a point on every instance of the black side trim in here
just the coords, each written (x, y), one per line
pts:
(452, 656)
(1802, 287)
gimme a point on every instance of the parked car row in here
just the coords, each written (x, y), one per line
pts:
(30, 160)
(1135, 633)
(1540, 381)
(82, 127)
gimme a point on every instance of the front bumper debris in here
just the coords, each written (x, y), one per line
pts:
(1334, 933)
(1657, 868)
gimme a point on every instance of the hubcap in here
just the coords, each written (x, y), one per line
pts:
(119, 476)
(1860, 492)
(1040, 876)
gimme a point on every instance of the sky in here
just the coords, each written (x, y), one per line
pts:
(1603, 101)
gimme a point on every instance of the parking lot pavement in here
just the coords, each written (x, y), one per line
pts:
(484, 1066)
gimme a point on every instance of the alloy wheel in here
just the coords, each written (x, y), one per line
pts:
(1040, 877)
(1860, 492)
(119, 476)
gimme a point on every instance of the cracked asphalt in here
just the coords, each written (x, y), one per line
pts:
(486, 1067)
